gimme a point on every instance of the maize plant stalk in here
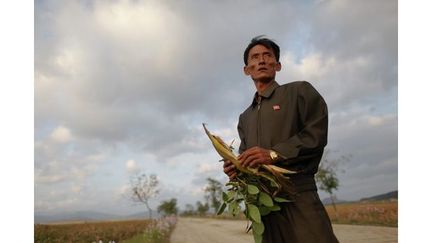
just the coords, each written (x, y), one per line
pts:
(259, 188)
(272, 173)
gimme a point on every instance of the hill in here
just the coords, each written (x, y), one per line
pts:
(327, 201)
(385, 196)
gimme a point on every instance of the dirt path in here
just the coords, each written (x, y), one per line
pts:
(199, 230)
(363, 233)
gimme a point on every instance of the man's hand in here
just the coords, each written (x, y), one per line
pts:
(230, 169)
(255, 156)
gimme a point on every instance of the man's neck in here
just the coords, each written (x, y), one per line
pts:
(260, 86)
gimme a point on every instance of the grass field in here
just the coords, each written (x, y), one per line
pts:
(384, 213)
(152, 231)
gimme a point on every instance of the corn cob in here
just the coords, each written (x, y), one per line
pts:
(225, 152)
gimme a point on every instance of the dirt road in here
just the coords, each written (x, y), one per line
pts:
(202, 230)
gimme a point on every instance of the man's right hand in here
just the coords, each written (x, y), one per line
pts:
(230, 169)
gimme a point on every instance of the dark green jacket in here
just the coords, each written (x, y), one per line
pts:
(292, 120)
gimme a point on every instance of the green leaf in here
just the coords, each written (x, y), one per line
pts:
(252, 189)
(231, 207)
(230, 196)
(221, 208)
(258, 228)
(258, 238)
(254, 213)
(224, 196)
(234, 208)
(264, 210)
(232, 183)
(275, 208)
(265, 199)
(279, 199)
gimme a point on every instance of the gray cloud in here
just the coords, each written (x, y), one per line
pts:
(140, 77)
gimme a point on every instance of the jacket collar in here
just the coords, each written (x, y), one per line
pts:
(266, 94)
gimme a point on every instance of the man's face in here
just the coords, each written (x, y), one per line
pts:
(262, 65)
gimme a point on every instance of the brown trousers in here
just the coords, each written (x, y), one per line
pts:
(302, 221)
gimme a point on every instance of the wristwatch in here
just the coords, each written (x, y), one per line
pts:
(273, 155)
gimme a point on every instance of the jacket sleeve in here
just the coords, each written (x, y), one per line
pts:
(240, 130)
(312, 136)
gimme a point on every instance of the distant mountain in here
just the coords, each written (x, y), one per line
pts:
(73, 216)
(327, 201)
(141, 215)
(385, 196)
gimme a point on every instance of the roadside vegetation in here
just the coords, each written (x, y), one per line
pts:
(130, 231)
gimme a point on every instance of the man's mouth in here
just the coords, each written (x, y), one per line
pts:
(262, 69)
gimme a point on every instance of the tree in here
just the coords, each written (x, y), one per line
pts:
(326, 176)
(144, 188)
(189, 211)
(328, 182)
(213, 192)
(202, 209)
(168, 207)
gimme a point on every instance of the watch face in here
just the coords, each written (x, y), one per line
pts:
(273, 155)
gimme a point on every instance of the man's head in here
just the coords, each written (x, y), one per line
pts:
(261, 40)
(261, 59)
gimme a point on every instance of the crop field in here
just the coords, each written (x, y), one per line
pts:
(378, 213)
(384, 213)
(151, 231)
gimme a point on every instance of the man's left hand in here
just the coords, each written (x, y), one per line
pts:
(255, 156)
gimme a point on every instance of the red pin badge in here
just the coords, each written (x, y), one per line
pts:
(276, 107)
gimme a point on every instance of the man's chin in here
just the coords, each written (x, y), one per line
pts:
(264, 80)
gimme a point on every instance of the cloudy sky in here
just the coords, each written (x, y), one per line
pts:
(123, 86)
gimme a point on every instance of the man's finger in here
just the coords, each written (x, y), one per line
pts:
(227, 163)
(249, 159)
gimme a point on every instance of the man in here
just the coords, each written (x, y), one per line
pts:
(285, 125)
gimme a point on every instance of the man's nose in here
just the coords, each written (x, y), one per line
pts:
(261, 59)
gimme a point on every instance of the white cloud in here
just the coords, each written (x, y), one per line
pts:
(61, 134)
(132, 166)
(206, 168)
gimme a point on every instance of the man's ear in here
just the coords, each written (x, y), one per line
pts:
(278, 66)
(246, 70)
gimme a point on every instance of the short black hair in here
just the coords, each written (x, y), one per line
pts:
(261, 40)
